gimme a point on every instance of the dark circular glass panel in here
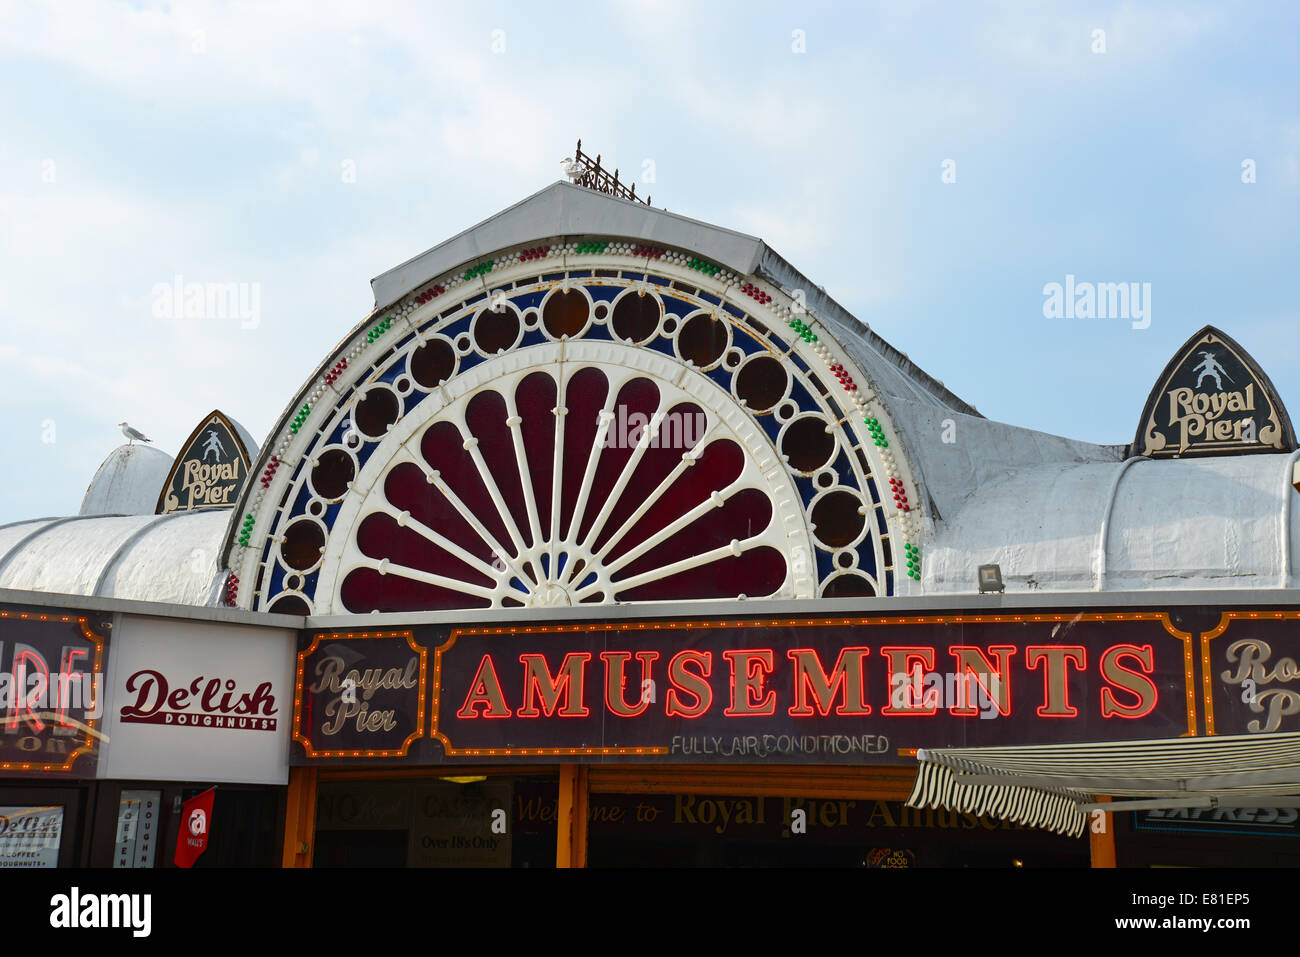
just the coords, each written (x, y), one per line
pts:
(433, 363)
(565, 314)
(636, 317)
(332, 473)
(837, 519)
(848, 586)
(289, 605)
(377, 410)
(702, 340)
(806, 444)
(302, 545)
(761, 382)
(496, 331)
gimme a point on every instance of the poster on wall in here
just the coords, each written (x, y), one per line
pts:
(51, 692)
(198, 701)
(30, 836)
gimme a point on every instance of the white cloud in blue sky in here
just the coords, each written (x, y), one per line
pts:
(207, 141)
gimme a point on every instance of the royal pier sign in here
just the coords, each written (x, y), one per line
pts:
(1212, 399)
(209, 472)
(867, 690)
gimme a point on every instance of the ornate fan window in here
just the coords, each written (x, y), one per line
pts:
(567, 437)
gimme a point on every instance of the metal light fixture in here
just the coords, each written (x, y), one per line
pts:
(990, 577)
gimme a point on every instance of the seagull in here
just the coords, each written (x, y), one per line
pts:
(132, 434)
(575, 171)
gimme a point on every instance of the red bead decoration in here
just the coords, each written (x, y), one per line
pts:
(430, 293)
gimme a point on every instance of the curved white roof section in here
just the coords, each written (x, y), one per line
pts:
(128, 482)
(161, 558)
(1173, 524)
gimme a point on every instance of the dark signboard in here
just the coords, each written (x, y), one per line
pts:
(787, 691)
(1263, 821)
(360, 695)
(51, 693)
(1212, 399)
(210, 470)
(1249, 672)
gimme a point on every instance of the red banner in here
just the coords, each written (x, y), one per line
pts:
(196, 825)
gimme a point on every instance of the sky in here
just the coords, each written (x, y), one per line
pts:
(933, 166)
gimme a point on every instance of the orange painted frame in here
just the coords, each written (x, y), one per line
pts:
(89, 731)
(298, 694)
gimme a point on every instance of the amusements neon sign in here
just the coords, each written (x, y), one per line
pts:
(815, 690)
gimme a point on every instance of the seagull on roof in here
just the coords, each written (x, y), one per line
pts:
(575, 171)
(133, 434)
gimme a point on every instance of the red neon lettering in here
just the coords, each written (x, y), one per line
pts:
(1056, 676)
(848, 675)
(1000, 693)
(751, 666)
(568, 681)
(900, 662)
(1126, 679)
(66, 679)
(485, 691)
(685, 681)
(616, 678)
(22, 700)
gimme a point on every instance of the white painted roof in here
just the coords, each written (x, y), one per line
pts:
(164, 558)
(128, 482)
(1174, 524)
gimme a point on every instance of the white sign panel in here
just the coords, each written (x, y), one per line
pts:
(198, 701)
(29, 836)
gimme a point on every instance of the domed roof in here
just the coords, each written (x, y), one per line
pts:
(128, 482)
(163, 558)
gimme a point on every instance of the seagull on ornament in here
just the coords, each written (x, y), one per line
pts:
(575, 171)
(132, 434)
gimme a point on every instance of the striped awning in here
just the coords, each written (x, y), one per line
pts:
(1056, 786)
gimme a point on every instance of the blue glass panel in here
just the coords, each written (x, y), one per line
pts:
(678, 307)
(746, 343)
(801, 397)
(661, 344)
(528, 300)
(825, 564)
(603, 293)
(721, 376)
(867, 556)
